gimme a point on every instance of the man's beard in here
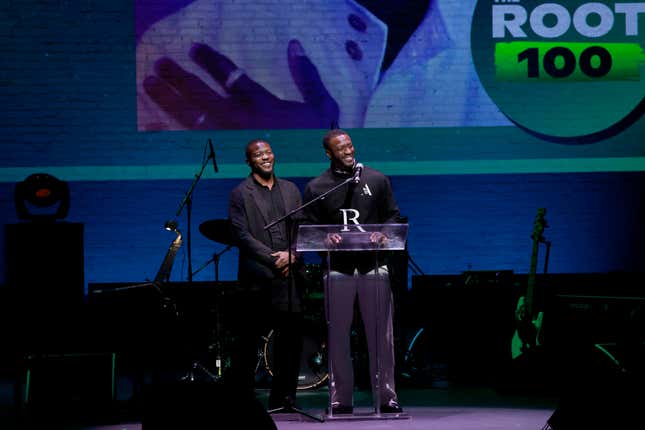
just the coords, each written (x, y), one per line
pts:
(264, 174)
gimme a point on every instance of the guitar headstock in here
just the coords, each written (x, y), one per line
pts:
(539, 225)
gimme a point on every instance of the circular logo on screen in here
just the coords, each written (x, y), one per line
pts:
(569, 71)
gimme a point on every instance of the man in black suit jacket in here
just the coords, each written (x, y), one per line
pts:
(270, 297)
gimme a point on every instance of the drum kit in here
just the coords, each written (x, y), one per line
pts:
(313, 363)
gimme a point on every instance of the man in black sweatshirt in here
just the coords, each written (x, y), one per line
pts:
(366, 200)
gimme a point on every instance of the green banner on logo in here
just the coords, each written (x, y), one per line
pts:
(571, 61)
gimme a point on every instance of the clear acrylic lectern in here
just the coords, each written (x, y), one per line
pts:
(330, 238)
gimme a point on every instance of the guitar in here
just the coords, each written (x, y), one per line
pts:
(528, 331)
(163, 274)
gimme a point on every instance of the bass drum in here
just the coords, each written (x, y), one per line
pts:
(313, 361)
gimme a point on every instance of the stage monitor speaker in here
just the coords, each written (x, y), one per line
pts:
(600, 405)
(61, 389)
(193, 404)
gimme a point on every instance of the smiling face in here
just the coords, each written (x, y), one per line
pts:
(260, 158)
(340, 151)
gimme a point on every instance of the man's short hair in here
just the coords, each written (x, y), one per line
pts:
(331, 134)
(253, 142)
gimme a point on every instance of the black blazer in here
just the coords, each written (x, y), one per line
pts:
(248, 215)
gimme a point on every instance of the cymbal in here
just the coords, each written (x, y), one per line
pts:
(218, 230)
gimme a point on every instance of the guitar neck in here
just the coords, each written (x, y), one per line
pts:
(169, 259)
(530, 286)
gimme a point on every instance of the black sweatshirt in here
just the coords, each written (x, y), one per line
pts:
(370, 201)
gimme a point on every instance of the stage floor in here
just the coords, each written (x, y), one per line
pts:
(452, 407)
(420, 418)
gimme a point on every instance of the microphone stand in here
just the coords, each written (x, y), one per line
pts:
(215, 343)
(322, 196)
(188, 203)
(288, 219)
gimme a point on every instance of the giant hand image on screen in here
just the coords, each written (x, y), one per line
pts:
(417, 80)
(291, 64)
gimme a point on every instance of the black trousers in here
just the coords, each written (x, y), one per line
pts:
(252, 319)
(372, 290)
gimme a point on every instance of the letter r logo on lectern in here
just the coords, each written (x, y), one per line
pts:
(351, 215)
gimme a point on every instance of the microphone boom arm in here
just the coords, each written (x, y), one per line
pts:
(268, 226)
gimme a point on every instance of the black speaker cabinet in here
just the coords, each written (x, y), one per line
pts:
(45, 264)
(467, 322)
(46, 282)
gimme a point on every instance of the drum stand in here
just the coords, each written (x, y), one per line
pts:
(215, 345)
